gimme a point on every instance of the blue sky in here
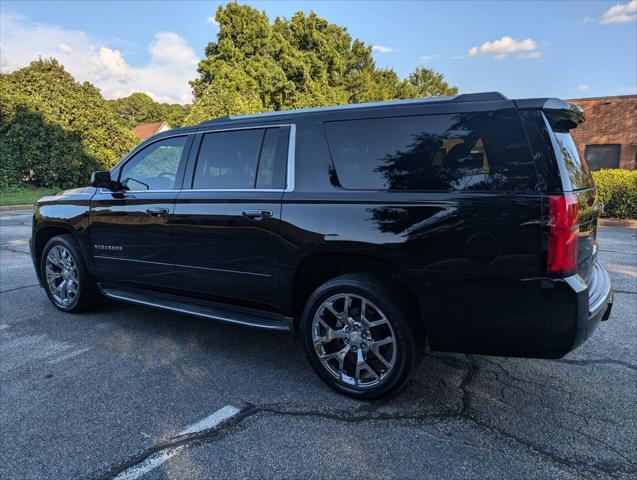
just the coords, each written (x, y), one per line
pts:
(523, 49)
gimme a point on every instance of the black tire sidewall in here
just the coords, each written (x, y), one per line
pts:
(385, 299)
(86, 292)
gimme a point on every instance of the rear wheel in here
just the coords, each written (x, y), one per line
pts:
(358, 336)
(68, 284)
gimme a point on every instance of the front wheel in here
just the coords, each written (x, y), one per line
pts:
(68, 284)
(359, 337)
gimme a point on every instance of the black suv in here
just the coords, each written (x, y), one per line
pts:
(464, 222)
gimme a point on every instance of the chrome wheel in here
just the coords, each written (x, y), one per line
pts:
(62, 276)
(354, 340)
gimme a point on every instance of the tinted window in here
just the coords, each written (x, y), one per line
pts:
(577, 169)
(273, 159)
(602, 156)
(228, 159)
(469, 151)
(155, 167)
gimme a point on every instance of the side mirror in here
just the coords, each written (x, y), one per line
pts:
(101, 180)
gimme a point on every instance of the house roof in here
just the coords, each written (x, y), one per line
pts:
(147, 130)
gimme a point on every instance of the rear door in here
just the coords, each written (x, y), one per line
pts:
(130, 229)
(227, 218)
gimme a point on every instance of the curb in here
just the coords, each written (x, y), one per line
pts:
(617, 222)
(8, 208)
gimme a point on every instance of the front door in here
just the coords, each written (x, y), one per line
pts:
(226, 221)
(131, 236)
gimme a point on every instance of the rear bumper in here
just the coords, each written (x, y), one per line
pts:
(595, 302)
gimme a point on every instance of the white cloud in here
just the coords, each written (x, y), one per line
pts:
(168, 48)
(64, 48)
(212, 20)
(588, 19)
(505, 46)
(457, 57)
(109, 64)
(382, 49)
(164, 77)
(426, 58)
(620, 13)
(583, 88)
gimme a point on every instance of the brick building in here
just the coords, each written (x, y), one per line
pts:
(608, 137)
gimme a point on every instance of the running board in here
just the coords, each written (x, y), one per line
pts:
(198, 308)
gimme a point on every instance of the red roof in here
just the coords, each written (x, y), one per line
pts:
(147, 130)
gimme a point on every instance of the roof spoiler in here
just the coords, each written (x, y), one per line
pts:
(562, 116)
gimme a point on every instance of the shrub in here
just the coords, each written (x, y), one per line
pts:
(53, 130)
(617, 190)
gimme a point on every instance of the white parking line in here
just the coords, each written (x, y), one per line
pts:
(68, 355)
(159, 458)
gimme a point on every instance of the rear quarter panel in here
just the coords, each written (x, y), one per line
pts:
(472, 261)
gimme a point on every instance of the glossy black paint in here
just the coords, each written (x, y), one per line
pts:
(222, 254)
(121, 220)
(471, 261)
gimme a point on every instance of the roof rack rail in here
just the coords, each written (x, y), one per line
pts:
(465, 97)
(479, 97)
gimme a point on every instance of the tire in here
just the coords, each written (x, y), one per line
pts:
(61, 256)
(336, 350)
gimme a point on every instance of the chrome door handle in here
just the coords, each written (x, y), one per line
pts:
(256, 214)
(157, 211)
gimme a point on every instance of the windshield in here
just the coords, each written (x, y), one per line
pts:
(577, 168)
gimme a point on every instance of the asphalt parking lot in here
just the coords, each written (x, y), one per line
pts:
(113, 393)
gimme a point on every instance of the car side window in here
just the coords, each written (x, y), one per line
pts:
(467, 151)
(155, 167)
(273, 158)
(242, 159)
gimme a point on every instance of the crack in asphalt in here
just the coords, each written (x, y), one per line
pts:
(20, 288)
(598, 361)
(13, 250)
(370, 413)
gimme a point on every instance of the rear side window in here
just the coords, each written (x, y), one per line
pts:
(577, 168)
(242, 159)
(273, 159)
(468, 151)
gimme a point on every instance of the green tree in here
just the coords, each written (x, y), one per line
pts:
(426, 82)
(53, 130)
(233, 93)
(140, 108)
(301, 62)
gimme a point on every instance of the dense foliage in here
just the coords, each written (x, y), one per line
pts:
(617, 190)
(53, 130)
(255, 65)
(140, 108)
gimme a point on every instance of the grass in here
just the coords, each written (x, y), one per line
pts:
(24, 196)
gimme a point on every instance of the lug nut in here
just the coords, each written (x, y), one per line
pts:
(353, 348)
(346, 340)
(364, 346)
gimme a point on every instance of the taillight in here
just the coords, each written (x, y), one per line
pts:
(561, 255)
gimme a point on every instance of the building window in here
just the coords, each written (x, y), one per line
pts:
(603, 156)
